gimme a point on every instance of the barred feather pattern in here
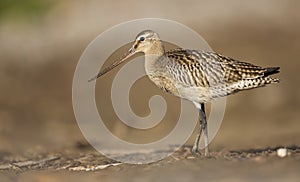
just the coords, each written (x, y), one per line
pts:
(202, 76)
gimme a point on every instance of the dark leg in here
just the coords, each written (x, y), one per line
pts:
(196, 144)
(202, 126)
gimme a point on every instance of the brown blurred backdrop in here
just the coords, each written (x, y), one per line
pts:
(41, 43)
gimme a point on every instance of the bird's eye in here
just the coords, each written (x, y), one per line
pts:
(142, 38)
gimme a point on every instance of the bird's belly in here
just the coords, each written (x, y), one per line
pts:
(194, 94)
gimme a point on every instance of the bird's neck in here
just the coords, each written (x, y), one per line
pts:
(152, 55)
(156, 49)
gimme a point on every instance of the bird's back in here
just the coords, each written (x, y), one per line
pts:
(192, 71)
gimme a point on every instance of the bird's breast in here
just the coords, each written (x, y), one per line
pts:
(163, 83)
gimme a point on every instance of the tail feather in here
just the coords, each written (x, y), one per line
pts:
(271, 71)
(269, 80)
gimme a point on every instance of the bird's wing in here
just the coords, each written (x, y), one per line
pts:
(207, 69)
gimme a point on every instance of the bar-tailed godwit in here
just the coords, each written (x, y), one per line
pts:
(195, 75)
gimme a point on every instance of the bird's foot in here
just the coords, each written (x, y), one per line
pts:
(206, 154)
(195, 151)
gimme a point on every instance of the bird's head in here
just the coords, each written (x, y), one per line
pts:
(146, 41)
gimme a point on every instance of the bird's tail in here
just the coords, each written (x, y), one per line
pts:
(268, 80)
(271, 71)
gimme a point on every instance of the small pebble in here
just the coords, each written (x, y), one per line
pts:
(191, 157)
(282, 152)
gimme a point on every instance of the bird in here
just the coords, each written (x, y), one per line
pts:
(195, 75)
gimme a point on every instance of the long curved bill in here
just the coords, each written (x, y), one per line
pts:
(130, 53)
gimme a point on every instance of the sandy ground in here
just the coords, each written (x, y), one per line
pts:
(82, 163)
(40, 139)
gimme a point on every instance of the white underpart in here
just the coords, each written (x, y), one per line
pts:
(194, 94)
(198, 105)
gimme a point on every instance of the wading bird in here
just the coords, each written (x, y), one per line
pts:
(195, 75)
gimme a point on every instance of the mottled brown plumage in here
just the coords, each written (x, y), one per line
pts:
(202, 76)
(196, 75)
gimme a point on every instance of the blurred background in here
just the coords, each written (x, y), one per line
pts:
(42, 41)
